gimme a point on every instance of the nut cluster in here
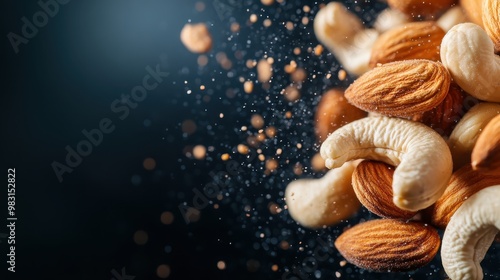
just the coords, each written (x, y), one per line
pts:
(428, 79)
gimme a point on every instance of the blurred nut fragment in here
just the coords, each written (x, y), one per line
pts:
(473, 10)
(486, 152)
(418, 9)
(196, 38)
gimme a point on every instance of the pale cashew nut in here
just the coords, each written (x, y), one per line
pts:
(451, 17)
(315, 203)
(343, 33)
(388, 19)
(470, 233)
(468, 53)
(465, 134)
(423, 159)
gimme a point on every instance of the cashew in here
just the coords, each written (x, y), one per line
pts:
(344, 35)
(423, 159)
(468, 53)
(465, 134)
(470, 233)
(389, 18)
(315, 203)
(451, 18)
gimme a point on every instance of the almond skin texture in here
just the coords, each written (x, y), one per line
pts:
(372, 183)
(446, 115)
(473, 10)
(414, 40)
(463, 184)
(333, 112)
(421, 9)
(486, 152)
(401, 89)
(389, 245)
(491, 21)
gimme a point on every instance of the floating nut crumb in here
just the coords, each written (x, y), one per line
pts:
(267, 22)
(235, 27)
(248, 87)
(289, 26)
(470, 233)
(288, 114)
(306, 9)
(257, 121)
(267, 2)
(388, 139)
(305, 20)
(315, 203)
(262, 157)
(342, 74)
(271, 164)
(243, 149)
(291, 93)
(318, 163)
(261, 137)
(199, 6)
(264, 71)
(271, 131)
(199, 152)
(202, 60)
(196, 38)
(298, 169)
(299, 75)
(318, 50)
(253, 18)
(189, 127)
(225, 157)
(251, 63)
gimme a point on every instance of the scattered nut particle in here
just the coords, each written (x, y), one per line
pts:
(216, 206)
(167, 218)
(244, 128)
(235, 27)
(298, 169)
(199, 6)
(296, 51)
(202, 60)
(271, 131)
(262, 157)
(242, 149)
(221, 265)
(305, 20)
(288, 114)
(140, 237)
(264, 71)
(163, 271)
(337, 274)
(222, 59)
(252, 141)
(299, 146)
(306, 9)
(299, 75)
(257, 121)
(149, 164)
(271, 164)
(274, 267)
(318, 163)
(261, 137)
(267, 2)
(279, 151)
(289, 68)
(267, 22)
(291, 93)
(318, 50)
(253, 18)
(251, 63)
(188, 127)
(343, 263)
(225, 157)
(284, 245)
(342, 74)
(199, 152)
(248, 87)
(289, 25)
(196, 38)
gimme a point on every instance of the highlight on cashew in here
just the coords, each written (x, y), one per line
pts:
(326, 201)
(468, 53)
(422, 158)
(343, 33)
(470, 233)
(464, 136)
(451, 17)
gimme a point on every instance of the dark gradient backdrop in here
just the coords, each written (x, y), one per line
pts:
(64, 80)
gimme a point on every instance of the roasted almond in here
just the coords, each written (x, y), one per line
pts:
(486, 152)
(463, 184)
(372, 183)
(389, 245)
(418, 9)
(414, 40)
(402, 88)
(446, 115)
(334, 111)
(491, 21)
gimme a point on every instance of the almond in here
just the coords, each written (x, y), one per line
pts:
(414, 40)
(463, 184)
(372, 183)
(491, 21)
(473, 10)
(486, 152)
(389, 245)
(446, 115)
(334, 111)
(418, 9)
(402, 88)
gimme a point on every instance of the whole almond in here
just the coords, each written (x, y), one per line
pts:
(389, 245)
(372, 183)
(486, 152)
(446, 115)
(473, 10)
(334, 111)
(402, 88)
(463, 184)
(421, 9)
(414, 40)
(491, 21)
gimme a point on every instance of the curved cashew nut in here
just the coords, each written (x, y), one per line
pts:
(343, 33)
(423, 159)
(451, 17)
(470, 233)
(315, 203)
(465, 134)
(468, 53)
